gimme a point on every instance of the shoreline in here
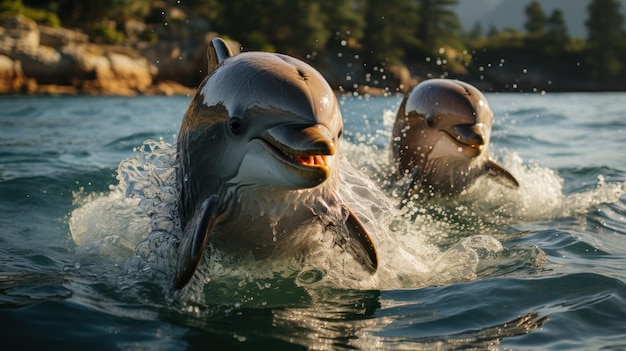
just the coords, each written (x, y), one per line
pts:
(40, 60)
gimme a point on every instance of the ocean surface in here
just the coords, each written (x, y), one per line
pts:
(87, 192)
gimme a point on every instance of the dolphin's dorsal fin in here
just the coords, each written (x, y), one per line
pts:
(500, 174)
(217, 52)
(360, 244)
(195, 240)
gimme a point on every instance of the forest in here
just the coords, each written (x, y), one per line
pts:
(424, 35)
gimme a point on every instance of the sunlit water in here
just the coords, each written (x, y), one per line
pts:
(88, 226)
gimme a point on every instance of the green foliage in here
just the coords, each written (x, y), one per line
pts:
(556, 27)
(11, 7)
(294, 27)
(476, 33)
(556, 39)
(345, 21)
(42, 16)
(259, 41)
(606, 38)
(83, 13)
(535, 18)
(299, 27)
(390, 31)
(107, 35)
(507, 38)
(439, 26)
(379, 31)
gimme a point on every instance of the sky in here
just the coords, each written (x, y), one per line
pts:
(510, 13)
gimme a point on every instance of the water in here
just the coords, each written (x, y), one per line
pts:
(87, 196)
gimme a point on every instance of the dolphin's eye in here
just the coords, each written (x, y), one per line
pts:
(235, 125)
(430, 121)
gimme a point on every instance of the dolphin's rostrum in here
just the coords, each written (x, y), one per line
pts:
(256, 162)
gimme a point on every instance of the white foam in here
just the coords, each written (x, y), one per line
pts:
(422, 244)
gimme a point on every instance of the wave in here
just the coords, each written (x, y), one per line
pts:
(135, 225)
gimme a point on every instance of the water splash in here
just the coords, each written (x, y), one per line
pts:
(486, 207)
(107, 224)
(136, 223)
(540, 196)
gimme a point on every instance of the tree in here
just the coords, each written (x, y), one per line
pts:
(438, 25)
(390, 30)
(476, 32)
(297, 27)
(344, 20)
(556, 27)
(606, 38)
(493, 31)
(292, 27)
(535, 19)
(556, 38)
(82, 12)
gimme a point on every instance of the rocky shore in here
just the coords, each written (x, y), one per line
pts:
(37, 59)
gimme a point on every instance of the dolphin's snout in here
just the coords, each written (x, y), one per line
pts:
(301, 140)
(472, 135)
(303, 150)
(320, 139)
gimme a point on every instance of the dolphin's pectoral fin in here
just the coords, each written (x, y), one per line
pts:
(500, 174)
(195, 240)
(359, 243)
(217, 52)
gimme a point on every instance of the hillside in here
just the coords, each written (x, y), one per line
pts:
(374, 48)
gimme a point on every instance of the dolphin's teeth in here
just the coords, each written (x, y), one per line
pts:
(316, 160)
(320, 160)
(305, 160)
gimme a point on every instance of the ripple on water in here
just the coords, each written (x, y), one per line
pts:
(144, 206)
(438, 244)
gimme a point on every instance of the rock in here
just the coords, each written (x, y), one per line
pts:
(134, 29)
(169, 88)
(11, 76)
(18, 33)
(41, 59)
(405, 81)
(184, 64)
(53, 89)
(133, 73)
(58, 37)
(367, 90)
(47, 65)
(106, 70)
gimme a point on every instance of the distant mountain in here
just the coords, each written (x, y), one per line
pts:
(510, 13)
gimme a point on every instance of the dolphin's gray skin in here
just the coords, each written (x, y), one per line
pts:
(441, 139)
(255, 152)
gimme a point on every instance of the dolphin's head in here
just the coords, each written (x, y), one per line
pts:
(441, 119)
(261, 119)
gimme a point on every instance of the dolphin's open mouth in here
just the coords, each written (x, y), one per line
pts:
(468, 135)
(296, 157)
(303, 149)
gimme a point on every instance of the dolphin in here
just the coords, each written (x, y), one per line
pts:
(440, 139)
(256, 163)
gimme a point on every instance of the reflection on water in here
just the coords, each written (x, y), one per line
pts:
(88, 241)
